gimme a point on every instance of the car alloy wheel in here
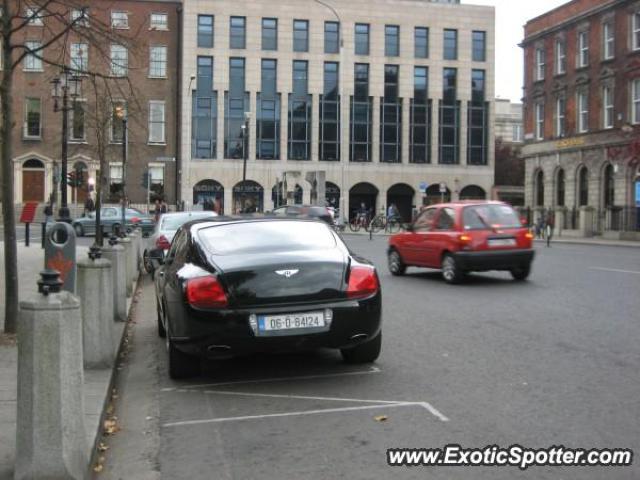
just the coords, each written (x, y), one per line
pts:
(450, 270)
(396, 266)
(79, 230)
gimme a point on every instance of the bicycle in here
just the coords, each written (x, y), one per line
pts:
(359, 221)
(391, 225)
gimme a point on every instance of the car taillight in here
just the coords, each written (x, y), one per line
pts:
(162, 243)
(464, 239)
(206, 292)
(135, 220)
(363, 282)
(528, 236)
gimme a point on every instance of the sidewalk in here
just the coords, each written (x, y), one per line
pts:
(97, 383)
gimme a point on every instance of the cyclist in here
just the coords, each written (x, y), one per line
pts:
(362, 214)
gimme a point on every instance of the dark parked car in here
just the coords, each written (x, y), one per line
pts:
(305, 211)
(111, 219)
(462, 237)
(235, 286)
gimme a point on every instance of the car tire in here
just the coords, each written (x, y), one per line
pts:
(181, 365)
(365, 353)
(521, 273)
(148, 264)
(394, 261)
(451, 271)
(115, 228)
(162, 333)
(79, 230)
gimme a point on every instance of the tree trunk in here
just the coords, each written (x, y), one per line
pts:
(8, 210)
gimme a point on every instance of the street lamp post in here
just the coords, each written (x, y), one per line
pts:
(245, 148)
(121, 113)
(64, 86)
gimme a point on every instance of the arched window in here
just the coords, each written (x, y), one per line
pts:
(560, 188)
(583, 187)
(609, 187)
(539, 189)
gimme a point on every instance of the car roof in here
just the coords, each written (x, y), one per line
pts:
(466, 203)
(199, 224)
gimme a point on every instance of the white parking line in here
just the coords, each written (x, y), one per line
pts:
(299, 397)
(278, 379)
(289, 414)
(614, 270)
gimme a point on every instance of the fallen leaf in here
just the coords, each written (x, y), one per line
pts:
(102, 447)
(98, 468)
(380, 418)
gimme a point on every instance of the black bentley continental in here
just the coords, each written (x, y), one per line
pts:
(232, 286)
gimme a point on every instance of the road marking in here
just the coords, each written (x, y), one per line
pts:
(614, 270)
(299, 397)
(297, 414)
(278, 379)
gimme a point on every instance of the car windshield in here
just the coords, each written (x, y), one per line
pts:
(174, 222)
(266, 237)
(480, 217)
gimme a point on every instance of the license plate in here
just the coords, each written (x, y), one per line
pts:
(289, 322)
(502, 242)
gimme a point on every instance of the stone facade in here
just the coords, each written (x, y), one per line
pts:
(344, 175)
(582, 67)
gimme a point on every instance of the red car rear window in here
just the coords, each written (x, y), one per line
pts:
(481, 217)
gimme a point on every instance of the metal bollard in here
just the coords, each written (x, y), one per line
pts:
(43, 233)
(128, 263)
(115, 254)
(95, 287)
(51, 440)
(60, 253)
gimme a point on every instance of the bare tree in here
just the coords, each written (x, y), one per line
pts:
(60, 20)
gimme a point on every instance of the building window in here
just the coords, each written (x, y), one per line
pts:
(300, 35)
(362, 38)
(331, 37)
(236, 104)
(583, 187)
(516, 134)
(156, 122)
(205, 31)
(420, 130)
(609, 189)
(636, 31)
(361, 116)
(607, 107)
(391, 117)
(159, 21)
(583, 112)
(156, 182)
(269, 34)
(479, 53)
(421, 42)
(392, 40)
(539, 188)
(608, 40)
(561, 57)
(268, 114)
(450, 44)
(449, 115)
(33, 14)
(477, 121)
(80, 16)
(330, 114)
(539, 110)
(119, 61)
(561, 107)
(117, 123)
(583, 49)
(79, 57)
(120, 20)
(204, 112)
(115, 180)
(32, 118)
(560, 188)
(635, 99)
(33, 62)
(237, 32)
(158, 62)
(299, 131)
(77, 131)
(540, 63)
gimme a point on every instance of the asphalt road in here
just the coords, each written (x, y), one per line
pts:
(551, 361)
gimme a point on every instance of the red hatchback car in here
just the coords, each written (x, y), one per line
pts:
(463, 237)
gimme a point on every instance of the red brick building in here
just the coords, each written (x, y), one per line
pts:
(143, 77)
(582, 115)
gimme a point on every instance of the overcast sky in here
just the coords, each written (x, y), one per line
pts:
(511, 15)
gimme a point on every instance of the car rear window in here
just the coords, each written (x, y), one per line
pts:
(481, 217)
(174, 222)
(266, 237)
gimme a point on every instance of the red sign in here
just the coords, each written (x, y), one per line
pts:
(28, 212)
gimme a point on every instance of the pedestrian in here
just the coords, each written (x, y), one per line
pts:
(163, 207)
(156, 210)
(48, 213)
(540, 226)
(89, 206)
(550, 222)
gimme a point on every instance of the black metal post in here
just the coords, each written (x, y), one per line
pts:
(245, 147)
(123, 228)
(26, 234)
(63, 212)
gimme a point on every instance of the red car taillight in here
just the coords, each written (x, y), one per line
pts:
(162, 243)
(135, 220)
(206, 292)
(363, 282)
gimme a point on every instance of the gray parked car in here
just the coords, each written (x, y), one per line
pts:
(111, 219)
(165, 229)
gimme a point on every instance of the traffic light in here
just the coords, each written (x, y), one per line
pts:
(71, 179)
(145, 180)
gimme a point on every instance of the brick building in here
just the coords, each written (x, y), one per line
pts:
(582, 116)
(144, 79)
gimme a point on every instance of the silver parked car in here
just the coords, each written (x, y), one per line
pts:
(110, 219)
(162, 236)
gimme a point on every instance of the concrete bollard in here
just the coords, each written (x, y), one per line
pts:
(116, 255)
(51, 440)
(135, 239)
(128, 263)
(95, 286)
